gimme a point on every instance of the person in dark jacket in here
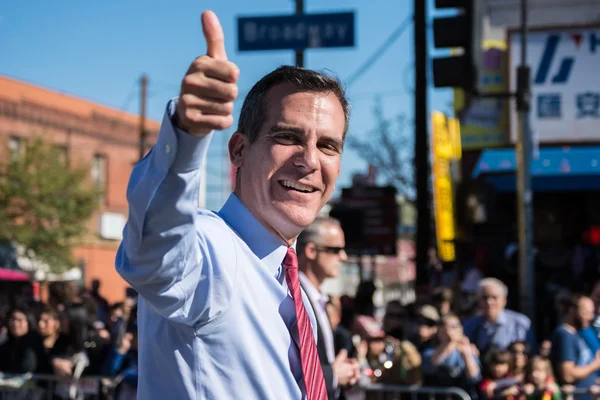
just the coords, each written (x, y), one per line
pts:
(21, 352)
(54, 343)
(122, 364)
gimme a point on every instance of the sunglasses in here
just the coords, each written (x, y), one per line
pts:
(427, 322)
(331, 249)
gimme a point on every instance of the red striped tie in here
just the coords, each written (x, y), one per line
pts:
(311, 366)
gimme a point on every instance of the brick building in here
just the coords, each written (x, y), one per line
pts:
(104, 138)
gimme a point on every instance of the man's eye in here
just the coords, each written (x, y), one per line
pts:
(286, 139)
(329, 148)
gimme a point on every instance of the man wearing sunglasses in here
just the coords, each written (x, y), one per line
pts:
(320, 249)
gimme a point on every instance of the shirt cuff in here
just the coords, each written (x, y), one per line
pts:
(176, 149)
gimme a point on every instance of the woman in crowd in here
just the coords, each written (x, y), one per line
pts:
(520, 354)
(21, 351)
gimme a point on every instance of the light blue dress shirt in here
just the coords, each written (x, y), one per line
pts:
(510, 326)
(214, 314)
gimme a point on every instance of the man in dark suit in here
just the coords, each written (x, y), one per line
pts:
(342, 337)
(320, 249)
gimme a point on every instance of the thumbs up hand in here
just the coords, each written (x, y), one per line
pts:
(209, 86)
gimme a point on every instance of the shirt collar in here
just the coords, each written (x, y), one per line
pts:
(266, 246)
(312, 292)
(502, 318)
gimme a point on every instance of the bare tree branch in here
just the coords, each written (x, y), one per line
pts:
(389, 147)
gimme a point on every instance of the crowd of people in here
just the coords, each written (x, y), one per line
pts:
(491, 352)
(76, 334)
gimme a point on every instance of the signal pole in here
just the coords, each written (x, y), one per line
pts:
(143, 95)
(421, 138)
(524, 196)
(299, 53)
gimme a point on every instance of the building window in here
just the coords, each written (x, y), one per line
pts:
(62, 153)
(99, 174)
(15, 146)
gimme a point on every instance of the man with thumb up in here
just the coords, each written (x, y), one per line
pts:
(221, 313)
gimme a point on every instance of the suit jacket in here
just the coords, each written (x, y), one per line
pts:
(322, 350)
(342, 339)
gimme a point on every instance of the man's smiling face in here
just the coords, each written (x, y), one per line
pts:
(289, 172)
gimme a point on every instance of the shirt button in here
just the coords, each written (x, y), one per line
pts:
(168, 148)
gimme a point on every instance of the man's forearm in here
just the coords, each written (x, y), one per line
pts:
(159, 240)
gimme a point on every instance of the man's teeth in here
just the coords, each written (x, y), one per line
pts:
(298, 186)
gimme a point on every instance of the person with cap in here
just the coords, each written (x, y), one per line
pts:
(428, 320)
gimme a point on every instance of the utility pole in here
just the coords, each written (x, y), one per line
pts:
(143, 93)
(524, 197)
(299, 52)
(421, 137)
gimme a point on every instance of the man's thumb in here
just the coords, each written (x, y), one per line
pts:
(342, 355)
(213, 33)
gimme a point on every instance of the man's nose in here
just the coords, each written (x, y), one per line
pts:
(307, 158)
(343, 255)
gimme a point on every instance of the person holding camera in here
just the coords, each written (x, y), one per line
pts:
(454, 362)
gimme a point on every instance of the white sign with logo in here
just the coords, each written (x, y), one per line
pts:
(565, 83)
(111, 225)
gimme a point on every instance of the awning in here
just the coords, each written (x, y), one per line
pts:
(12, 275)
(555, 169)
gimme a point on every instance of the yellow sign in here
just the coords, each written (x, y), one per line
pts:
(484, 121)
(444, 134)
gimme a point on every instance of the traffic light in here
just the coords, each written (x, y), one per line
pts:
(461, 31)
(592, 236)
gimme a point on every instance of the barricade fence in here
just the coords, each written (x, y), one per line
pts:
(52, 387)
(378, 391)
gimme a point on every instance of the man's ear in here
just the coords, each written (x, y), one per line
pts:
(310, 251)
(237, 147)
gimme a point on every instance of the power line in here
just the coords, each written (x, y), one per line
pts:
(370, 95)
(130, 96)
(380, 51)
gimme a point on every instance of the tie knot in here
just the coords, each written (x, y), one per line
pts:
(291, 260)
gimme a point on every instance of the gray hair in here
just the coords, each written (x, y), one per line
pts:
(492, 282)
(254, 109)
(314, 232)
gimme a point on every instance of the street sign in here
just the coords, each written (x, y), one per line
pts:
(369, 217)
(296, 32)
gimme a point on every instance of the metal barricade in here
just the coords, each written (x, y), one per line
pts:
(580, 394)
(378, 391)
(52, 387)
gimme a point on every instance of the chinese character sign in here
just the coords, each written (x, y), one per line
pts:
(564, 64)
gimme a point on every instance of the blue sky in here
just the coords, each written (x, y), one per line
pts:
(98, 50)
